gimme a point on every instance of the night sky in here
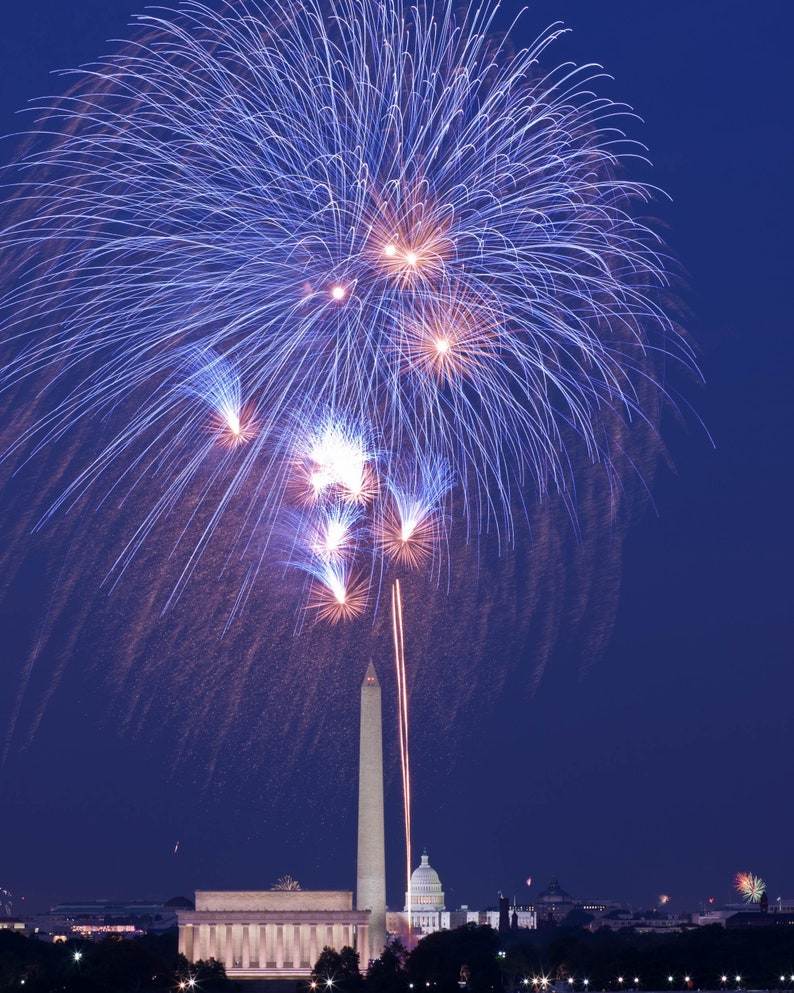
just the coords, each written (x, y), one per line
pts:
(662, 766)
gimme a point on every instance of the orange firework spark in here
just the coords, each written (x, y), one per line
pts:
(409, 239)
(449, 341)
(410, 543)
(233, 429)
(338, 601)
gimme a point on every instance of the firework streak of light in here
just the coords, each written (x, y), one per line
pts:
(402, 695)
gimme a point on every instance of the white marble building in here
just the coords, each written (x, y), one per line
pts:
(271, 934)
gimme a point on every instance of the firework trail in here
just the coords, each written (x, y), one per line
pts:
(402, 708)
(301, 304)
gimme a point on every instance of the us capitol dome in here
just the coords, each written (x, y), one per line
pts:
(426, 892)
(428, 913)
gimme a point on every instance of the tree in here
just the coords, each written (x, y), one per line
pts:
(435, 964)
(387, 974)
(209, 975)
(335, 970)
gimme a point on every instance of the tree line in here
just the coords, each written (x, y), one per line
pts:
(470, 959)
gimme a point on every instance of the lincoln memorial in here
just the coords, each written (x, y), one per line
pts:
(271, 934)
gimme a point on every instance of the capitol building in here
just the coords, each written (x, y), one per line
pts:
(428, 912)
(426, 897)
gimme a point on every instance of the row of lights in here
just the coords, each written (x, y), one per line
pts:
(543, 982)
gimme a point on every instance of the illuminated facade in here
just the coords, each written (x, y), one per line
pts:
(271, 934)
(279, 934)
(429, 913)
(95, 919)
(371, 860)
(427, 898)
(426, 891)
(553, 905)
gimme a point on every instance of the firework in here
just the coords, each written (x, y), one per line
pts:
(402, 722)
(413, 519)
(215, 383)
(751, 887)
(286, 884)
(372, 256)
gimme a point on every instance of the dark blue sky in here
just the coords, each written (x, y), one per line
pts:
(666, 767)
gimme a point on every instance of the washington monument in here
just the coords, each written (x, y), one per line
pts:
(371, 866)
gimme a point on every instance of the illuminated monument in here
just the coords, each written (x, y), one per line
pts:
(267, 934)
(371, 865)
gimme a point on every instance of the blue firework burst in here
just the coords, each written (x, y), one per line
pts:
(376, 227)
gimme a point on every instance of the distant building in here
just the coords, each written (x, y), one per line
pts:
(750, 919)
(712, 917)
(553, 905)
(644, 922)
(97, 918)
(748, 915)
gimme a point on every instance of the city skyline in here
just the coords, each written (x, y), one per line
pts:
(660, 769)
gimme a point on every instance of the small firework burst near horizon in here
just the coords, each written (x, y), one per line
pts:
(286, 884)
(399, 270)
(751, 887)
